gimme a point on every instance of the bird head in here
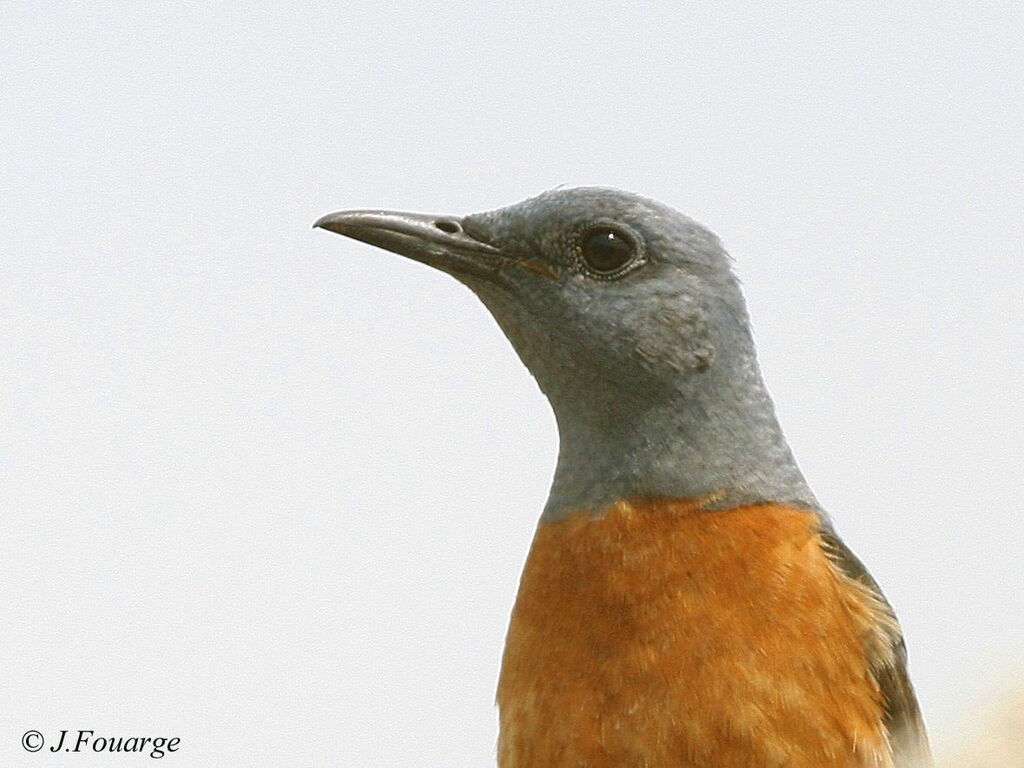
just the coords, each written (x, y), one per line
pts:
(630, 318)
(597, 289)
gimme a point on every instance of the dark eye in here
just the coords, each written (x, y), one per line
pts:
(606, 250)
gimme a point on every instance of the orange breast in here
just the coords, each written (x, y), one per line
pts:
(662, 634)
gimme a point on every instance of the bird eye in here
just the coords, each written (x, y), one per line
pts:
(606, 250)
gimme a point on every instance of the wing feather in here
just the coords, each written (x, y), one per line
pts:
(888, 657)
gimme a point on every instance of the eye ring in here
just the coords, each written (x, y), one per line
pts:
(608, 251)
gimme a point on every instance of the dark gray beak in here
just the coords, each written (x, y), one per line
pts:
(439, 241)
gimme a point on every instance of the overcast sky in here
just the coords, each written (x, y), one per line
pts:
(269, 490)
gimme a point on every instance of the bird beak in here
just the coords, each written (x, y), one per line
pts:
(439, 241)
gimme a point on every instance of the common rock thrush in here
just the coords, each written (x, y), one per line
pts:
(686, 601)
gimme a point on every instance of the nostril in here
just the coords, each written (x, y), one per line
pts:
(447, 225)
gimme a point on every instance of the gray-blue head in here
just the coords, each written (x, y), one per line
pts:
(630, 318)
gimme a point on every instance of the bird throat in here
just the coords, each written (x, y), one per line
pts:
(715, 434)
(662, 633)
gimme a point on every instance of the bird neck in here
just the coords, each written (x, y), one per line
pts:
(712, 435)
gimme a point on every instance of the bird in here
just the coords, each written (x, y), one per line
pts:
(686, 601)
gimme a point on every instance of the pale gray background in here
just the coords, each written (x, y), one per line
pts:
(270, 490)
